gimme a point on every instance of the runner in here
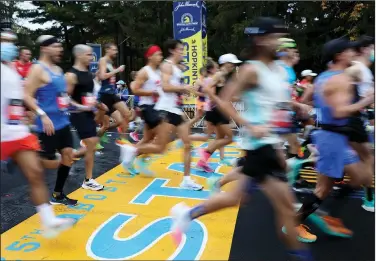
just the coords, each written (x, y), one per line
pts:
(227, 64)
(47, 84)
(18, 144)
(332, 96)
(305, 83)
(261, 83)
(137, 111)
(107, 93)
(80, 86)
(170, 110)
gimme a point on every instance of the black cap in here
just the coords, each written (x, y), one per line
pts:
(336, 46)
(364, 41)
(266, 25)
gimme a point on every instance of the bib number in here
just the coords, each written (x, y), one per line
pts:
(88, 100)
(282, 117)
(15, 111)
(63, 101)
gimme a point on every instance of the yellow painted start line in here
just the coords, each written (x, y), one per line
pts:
(130, 219)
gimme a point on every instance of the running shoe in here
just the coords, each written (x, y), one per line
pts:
(121, 141)
(224, 162)
(369, 205)
(92, 184)
(334, 227)
(213, 184)
(180, 222)
(99, 146)
(57, 226)
(134, 136)
(190, 184)
(104, 138)
(62, 200)
(142, 164)
(303, 234)
(204, 166)
(127, 158)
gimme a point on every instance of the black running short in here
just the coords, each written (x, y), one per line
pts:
(263, 162)
(357, 130)
(150, 116)
(84, 123)
(216, 117)
(57, 142)
(171, 118)
(109, 100)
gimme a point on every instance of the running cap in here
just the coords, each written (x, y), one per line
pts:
(308, 73)
(364, 41)
(8, 35)
(228, 58)
(266, 25)
(337, 46)
(152, 50)
(46, 40)
(287, 43)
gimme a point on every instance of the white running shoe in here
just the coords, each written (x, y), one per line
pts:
(92, 184)
(180, 221)
(127, 154)
(57, 226)
(190, 184)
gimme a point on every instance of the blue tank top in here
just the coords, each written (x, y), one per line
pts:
(291, 75)
(325, 115)
(109, 85)
(53, 100)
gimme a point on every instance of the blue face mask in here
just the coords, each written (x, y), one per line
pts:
(8, 52)
(281, 54)
(372, 57)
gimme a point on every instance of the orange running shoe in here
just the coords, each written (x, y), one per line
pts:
(304, 235)
(335, 227)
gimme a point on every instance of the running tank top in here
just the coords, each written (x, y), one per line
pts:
(84, 88)
(12, 110)
(169, 101)
(53, 100)
(109, 85)
(324, 111)
(260, 102)
(201, 98)
(152, 84)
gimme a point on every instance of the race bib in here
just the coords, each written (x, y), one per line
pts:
(282, 116)
(63, 101)
(15, 111)
(88, 99)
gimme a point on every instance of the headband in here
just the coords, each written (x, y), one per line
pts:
(49, 41)
(152, 50)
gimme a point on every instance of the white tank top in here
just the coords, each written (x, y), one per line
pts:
(12, 110)
(260, 102)
(152, 84)
(367, 83)
(169, 101)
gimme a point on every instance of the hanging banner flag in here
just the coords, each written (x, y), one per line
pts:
(188, 22)
(97, 54)
(204, 34)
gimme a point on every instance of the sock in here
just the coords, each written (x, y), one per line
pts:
(197, 211)
(187, 178)
(87, 180)
(46, 213)
(207, 155)
(310, 204)
(369, 194)
(290, 155)
(62, 175)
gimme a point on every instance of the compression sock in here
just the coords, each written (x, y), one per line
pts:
(62, 175)
(310, 205)
(369, 194)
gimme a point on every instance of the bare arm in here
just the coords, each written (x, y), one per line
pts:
(71, 80)
(307, 97)
(166, 70)
(337, 95)
(140, 80)
(196, 86)
(32, 83)
(103, 75)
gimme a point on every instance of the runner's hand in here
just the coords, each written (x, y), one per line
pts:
(121, 68)
(102, 106)
(258, 131)
(48, 126)
(187, 89)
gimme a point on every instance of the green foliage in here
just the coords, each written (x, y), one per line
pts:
(140, 23)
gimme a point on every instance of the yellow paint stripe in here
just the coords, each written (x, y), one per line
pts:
(18, 242)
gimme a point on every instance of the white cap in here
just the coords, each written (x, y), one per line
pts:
(8, 35)
(228, 58)
(308, 73)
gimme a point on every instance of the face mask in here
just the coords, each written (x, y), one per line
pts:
(8, 52)
(372, 56)
(281, 54)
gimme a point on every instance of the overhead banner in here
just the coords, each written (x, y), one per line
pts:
(188, 17)
(97, 54)
(204, 35)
